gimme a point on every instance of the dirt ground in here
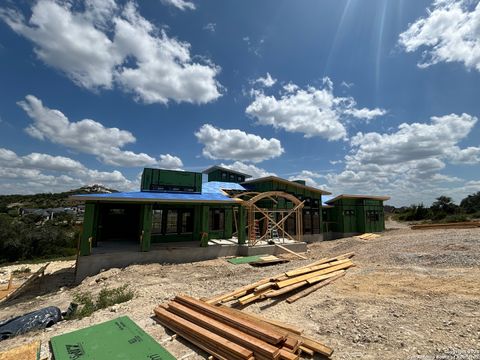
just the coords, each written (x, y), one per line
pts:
(412, 295)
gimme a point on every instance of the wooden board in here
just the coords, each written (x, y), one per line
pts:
(25, 285)
(458, 225)
(314, 288)
(29, 351)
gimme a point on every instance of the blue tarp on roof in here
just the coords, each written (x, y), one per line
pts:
(211, 191)
(218, 186)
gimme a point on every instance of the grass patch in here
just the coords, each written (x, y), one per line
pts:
(105, 298)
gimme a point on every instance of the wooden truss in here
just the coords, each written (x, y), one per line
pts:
(274, 219)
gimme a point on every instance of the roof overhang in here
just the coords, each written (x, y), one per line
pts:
(288, 182)
(348, 196)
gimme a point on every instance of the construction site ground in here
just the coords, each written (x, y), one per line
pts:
(412, 295)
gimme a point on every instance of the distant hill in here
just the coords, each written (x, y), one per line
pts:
(49, 200)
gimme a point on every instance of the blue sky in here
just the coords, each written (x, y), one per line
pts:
(377, 97)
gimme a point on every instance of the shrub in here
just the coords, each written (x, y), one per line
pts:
(22, 270)
(106, 298)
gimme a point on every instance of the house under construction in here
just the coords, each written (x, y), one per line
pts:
(180, 209)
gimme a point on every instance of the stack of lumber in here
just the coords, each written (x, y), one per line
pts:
(457, 225)
(230, 334)
(368, 236)
(306, 279)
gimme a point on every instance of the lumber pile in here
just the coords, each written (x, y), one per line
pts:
(230, 334)
(368, 236)
(303, 280)
(457, 225)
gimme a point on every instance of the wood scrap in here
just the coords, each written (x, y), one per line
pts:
(23, 287)
(30, 351)
(368, 236)
(291, 252)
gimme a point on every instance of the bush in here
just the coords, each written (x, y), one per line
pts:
(106, 298)
(455, 218)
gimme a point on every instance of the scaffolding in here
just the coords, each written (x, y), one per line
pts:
(274, 220)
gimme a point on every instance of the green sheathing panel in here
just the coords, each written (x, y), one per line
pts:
(225, 176)
(90, 220)
(171, 180)
(242, 236)
(118, 339)
(357, 215)
(146, 227)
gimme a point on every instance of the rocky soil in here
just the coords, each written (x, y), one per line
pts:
(412, 295)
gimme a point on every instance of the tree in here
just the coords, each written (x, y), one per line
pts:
(442, 207)
(471, 203)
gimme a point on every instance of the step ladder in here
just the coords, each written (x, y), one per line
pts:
(271, 230)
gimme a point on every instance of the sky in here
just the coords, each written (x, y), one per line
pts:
(377, 97)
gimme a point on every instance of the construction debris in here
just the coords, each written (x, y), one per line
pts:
(268, 260)
(368, 236)
(290, 251)
(230, 334)
(17, 291)
(116, 339)
(457, 225)
(30, 351)
(312, 277)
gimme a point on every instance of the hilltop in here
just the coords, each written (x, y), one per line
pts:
(48, 200)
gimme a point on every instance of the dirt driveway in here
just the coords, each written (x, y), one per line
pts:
(412, 295)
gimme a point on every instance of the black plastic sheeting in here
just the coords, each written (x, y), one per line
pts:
(36, 320)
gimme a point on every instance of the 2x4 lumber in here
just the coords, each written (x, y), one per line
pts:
(291, 252)
(273, 324)
(247, 299)
(320, 262)
(240, 290)
(314, 288)
(239, 337)
(306, 350)
(310, 269)
(301, 278)
(321, 278)
(287, 355)
(254, 329)
(285, 290)
(291, 331)
(187, 328)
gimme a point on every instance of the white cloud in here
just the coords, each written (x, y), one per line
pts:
(311, 111)
(407, 163)
(171, 162)
(450, 32)
(249, 169)
(88, 136)
(210, 27)
(37, 172)
(311, 178)
(107, 46)
(180, 4)
(266, 81)
(234, 144)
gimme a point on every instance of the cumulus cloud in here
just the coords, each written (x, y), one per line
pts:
(448, 33)
(408, 161)
(88, 136)
(311, 111)
(234, 144)
(311, 178)
(254, 171)
(266, 81)
(37, 172)
(180, 4)
(106, 46)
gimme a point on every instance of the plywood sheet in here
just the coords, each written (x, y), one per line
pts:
(29, 351)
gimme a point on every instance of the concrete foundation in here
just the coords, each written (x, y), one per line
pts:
(106, 257)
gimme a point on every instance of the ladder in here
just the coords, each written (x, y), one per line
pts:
(272, 231)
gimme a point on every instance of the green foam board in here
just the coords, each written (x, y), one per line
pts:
(245, 259)
(118, 339)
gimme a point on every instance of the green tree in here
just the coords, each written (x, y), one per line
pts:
(471, 203)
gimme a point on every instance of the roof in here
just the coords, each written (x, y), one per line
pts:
(284, 181)
(216, 167)
(347, 196)
(211, 192)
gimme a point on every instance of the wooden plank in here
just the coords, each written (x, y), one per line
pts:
(291, 252)
(168, 319)
(30, 351)
(275, 325)
(300, 278)
(253, 296)
(315, 268)
(306, 350)
(227, 331)
(313, 288)
(240, 290)
(255, 329)
(18, 291)
(285, 290)
(287, 355)
(317, 279)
